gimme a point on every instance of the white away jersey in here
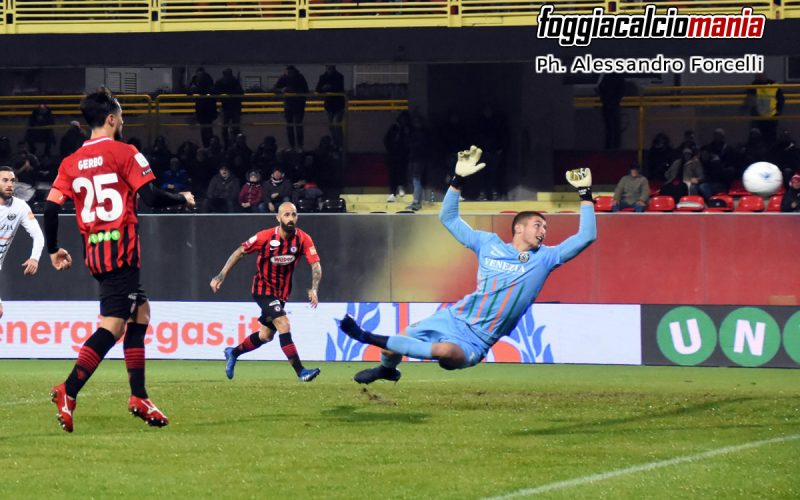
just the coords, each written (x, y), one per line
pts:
(12, 214)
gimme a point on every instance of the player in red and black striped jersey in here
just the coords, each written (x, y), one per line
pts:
(279, 250)
(103, 178)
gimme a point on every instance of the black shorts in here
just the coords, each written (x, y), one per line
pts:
(120, 293)
(271, 309)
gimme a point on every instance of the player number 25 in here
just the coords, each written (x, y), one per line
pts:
(98, 188)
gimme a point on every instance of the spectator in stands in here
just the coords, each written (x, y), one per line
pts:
(277, 189)
(331, 81)
(791, 198)
(755, 149)
(659, 157)
(223, 192)
(632, 191)
(689, 141)
(265, 157)
(491, 133)
(6, 155)
(294, 106)
(326, 169)
(716, 175)
(40, 129)
(785, 155)
(251, 197)
(395, 141)
(765, 103)
(611, 90)
(719, 147)
(683, 176)
(72, 139)
(239, 156)
(302, 176)
(176, 178)
(419, 157)
(26, 166)
(159, 155)
(205, 107)
(187, 154)
(231, 98)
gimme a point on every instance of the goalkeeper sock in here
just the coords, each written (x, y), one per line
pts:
(390, 360)
(585, 193)
(410, 347)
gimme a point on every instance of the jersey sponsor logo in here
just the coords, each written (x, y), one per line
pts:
(274, 243)
(147, 171)
(524, 257)
(88, 163)
(282, 260)
(141, 160)
(102, 236)
(6, 227)
(499, 265)
(275, 303)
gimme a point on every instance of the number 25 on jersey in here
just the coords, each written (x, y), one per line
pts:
(99, 190)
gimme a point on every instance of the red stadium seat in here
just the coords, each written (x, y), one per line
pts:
(774, 204)
(691, 203)
(750, 203)
(737, 189)
(727, 200)
(661, 204)
(514, 212)
(603, 203)
(780, 190)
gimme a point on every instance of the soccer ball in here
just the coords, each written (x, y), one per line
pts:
(762, 178)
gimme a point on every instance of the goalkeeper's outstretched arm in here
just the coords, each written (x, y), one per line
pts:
(581, 179)
(467, 165)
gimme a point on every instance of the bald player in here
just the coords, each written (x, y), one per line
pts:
(279, 250)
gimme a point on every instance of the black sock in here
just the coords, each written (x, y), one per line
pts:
(367, 337)
(251, 342)
(89, 357)
(288, 348)
(133, 347)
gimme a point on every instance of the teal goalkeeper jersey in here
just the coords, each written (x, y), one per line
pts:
(508, 280)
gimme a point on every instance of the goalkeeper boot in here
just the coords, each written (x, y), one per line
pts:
(147, 411)
(380, 372)
(351, 328)
(307, 375)
(65, 406)
(230, 362)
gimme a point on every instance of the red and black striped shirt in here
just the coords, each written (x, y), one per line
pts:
(277, 258)
(102, 178)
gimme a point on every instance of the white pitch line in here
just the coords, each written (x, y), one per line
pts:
(570, 483)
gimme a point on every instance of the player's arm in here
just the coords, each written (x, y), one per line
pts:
(581, 179)
(60, 258)
(236, 256)
(32, 227)
(316, 276)
(466, 165)
(155, 197)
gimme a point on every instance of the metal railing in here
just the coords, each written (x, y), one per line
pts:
(107, 16)
(730, 97)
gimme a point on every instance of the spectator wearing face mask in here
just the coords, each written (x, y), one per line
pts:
(277, 189)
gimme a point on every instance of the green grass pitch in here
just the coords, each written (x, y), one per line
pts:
(487, 431)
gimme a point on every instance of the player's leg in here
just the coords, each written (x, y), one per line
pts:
(290, 350)
(139, 404)
(252, 342)
(115, 309)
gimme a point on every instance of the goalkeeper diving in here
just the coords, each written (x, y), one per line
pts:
(510, 276)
